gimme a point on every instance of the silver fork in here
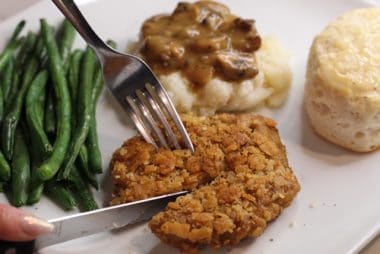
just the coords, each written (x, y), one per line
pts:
(134, 85)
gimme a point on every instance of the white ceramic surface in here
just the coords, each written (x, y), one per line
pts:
(338, 208)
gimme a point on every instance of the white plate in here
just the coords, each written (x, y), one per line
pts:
(338, 208)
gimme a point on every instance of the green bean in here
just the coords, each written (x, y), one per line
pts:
(12, 45)
(17, 31)
(6, 79)
(5, 169)
(18, 69)
(40, 143)
(13, 115)
(40, 108)
(73, 74)
(36, 189)
(82, 158)
(40, 49)
(26, 49)
(20, 171)
(24, 53)
(1, 105)
(73, 77)
(50, 116)
(50, 166)
(40, 52)
(65, 42)
(16, 79)
(92, 143)
(85, 200)
(82, 161)
(83, 112)
(35, 192)
(83, 195)
(39, 139)
(36, 186)
(60, 195)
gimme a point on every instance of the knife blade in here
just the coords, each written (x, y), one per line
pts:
(92, 222)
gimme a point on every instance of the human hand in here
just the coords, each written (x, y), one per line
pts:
(18, 225)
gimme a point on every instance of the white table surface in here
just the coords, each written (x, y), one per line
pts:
(10, 7)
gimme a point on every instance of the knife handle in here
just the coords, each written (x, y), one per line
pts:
(16, 247)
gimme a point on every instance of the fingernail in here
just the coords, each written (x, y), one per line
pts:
(35, 226)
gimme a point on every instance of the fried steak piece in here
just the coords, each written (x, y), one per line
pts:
(239, 175)
(253, 189)
(235, 205)
(140, 171)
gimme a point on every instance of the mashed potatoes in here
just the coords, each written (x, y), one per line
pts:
(269, 87)
(210, 59)
(342, 93)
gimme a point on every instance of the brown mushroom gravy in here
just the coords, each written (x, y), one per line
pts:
(202, 40)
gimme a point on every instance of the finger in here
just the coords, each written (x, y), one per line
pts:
(18, 225)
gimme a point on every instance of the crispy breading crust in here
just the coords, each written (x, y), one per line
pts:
(234, 206)
(243, 158)
(140, 171)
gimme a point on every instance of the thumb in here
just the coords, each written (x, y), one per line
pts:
(18, 225)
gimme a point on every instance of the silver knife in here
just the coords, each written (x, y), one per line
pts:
(89, 223)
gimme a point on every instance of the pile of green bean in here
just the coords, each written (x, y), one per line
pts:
(48, 136)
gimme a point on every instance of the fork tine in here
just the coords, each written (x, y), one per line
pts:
(159, 94)
(161, 117)
(136, 116)
(144, 108)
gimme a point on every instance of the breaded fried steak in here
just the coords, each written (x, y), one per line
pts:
(235, 205)
(239, 175)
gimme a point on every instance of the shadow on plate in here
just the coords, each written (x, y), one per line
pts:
(162, 248)
(107, 187)
(120, 113)
(126, 228)
(147, 242)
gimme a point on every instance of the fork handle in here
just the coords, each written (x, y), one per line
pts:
(73, 14)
